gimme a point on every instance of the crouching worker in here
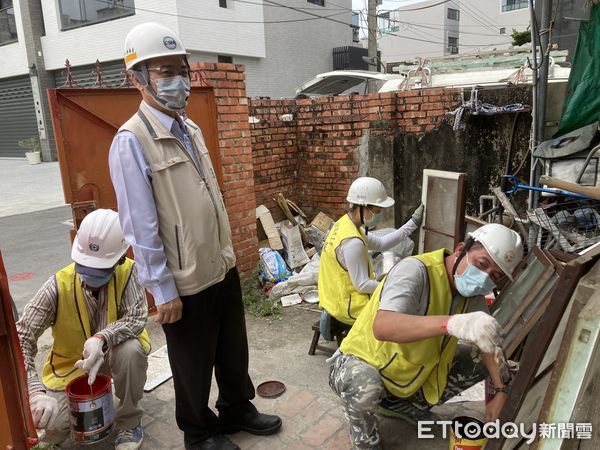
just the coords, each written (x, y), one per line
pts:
(403, 345)
(346, 277)
(97, 310)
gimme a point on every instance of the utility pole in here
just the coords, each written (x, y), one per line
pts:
(372, 54)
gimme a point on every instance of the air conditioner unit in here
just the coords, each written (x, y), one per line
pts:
(453, 50)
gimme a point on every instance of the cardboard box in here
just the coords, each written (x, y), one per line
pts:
(295, 256)
(323, 222)
(266, 228)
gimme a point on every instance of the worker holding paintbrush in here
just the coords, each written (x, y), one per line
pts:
(402, 353)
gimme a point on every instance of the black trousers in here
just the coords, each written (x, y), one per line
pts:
(211, 334)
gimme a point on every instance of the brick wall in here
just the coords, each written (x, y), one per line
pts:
(316, 168)
(236, 156)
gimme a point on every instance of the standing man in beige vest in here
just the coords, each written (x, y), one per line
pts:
(172, 213)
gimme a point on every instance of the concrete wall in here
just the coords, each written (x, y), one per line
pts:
(297, 51)
(481, 21)
(14, 56)
(422, 31)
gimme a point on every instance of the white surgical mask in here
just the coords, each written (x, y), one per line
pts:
(373, 221)
(473, 281)
(173, 91)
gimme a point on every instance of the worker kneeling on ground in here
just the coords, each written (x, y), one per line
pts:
(402, 347)
(346, 278)
(97, 310)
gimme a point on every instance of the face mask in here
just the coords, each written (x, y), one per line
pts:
(473, 282)
(173, 91)
(373, 221)
(94, 281)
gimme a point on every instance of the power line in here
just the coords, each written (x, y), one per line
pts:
(474, 17)
(183, 16)
(478, 13)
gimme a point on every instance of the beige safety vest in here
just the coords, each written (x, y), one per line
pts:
(192, 220)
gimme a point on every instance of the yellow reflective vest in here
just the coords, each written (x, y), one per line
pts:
(337, 294)
(71, 327)
(405, 368)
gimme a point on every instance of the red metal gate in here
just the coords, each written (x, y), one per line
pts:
(85, 122)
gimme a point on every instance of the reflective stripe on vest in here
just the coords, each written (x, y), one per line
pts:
(72, 325)
(408, 367)
(337, 294)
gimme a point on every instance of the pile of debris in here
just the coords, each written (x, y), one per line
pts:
(289, 251)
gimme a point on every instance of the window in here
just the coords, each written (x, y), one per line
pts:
(355, 25)
(223, 3)
(224, 59)
(317, 2)
(386, 24)
(511, 5)
(453, 45)
(453, 14)
(80, 13)
(8, 28)
(503, 30)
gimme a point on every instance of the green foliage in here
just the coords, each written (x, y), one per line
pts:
(521, 37)
(31, 144)
(256, 301)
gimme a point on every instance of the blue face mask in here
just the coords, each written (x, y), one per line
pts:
(94, 281)
(473, 282)
(374, 221)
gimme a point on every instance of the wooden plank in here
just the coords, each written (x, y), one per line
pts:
(510, 209)
(282, 202)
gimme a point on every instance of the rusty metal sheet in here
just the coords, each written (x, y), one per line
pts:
(16, 424)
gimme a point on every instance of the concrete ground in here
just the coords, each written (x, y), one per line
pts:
(34, 242)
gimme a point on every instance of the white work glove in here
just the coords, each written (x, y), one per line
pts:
(44, 409)
(93, 357)
(476, 328)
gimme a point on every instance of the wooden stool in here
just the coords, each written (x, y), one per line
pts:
(338, 331)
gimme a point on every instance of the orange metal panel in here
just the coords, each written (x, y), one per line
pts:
(85, 122)
(16, 425)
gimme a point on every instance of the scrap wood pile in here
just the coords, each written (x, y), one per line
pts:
(289, 252)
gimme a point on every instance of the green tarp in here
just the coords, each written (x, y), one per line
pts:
(582, 106)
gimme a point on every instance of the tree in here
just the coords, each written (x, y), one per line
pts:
(521, 37)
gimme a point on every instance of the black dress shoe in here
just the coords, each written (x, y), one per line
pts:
(254, 423)
(216, 442)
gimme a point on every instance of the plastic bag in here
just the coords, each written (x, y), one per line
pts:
(272, 266)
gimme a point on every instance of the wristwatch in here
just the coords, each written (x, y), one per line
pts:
(494, 390)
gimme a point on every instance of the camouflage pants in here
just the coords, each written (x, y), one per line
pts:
(361, 390)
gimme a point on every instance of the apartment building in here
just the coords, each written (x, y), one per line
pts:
(432, 28)
(281, 45)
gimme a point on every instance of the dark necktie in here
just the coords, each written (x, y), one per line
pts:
(177, 131)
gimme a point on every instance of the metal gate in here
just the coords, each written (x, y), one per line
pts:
(17, 115)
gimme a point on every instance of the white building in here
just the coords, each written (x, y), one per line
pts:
(432, 28)
(281, 45)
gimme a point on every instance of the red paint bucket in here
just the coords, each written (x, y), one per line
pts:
(92, 411)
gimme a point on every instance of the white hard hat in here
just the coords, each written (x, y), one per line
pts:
(368, 191)
(504, 245)
(151, 40)
(99, 242)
